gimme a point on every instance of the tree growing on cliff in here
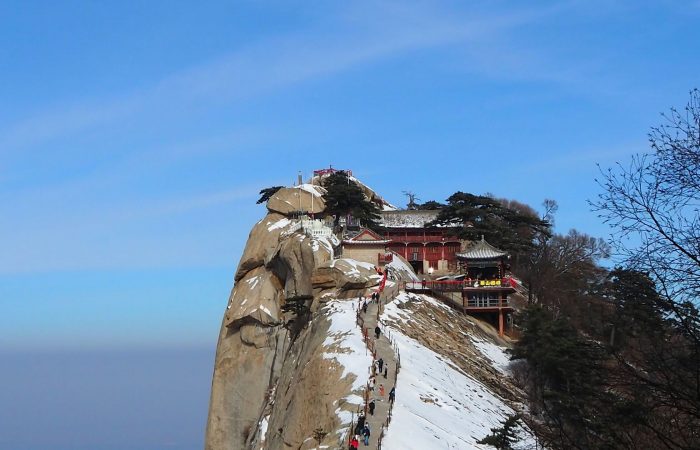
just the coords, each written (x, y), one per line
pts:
(566, 382)
(319, 435)
(654, 361)
(345, 197)
(266, 193)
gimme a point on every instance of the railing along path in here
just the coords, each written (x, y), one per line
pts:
(391, 354)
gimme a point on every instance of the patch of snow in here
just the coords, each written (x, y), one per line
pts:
(263, 431)
(494, 353)
(266, 310)
(311, 188)
(326, 242)
(399, 265)
(344, 342)
(253, 281)
(408, 218)
(366, 265)
(283, 222)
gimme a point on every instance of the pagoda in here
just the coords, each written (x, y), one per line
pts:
(486, 288)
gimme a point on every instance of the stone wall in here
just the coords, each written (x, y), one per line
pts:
(365, 253)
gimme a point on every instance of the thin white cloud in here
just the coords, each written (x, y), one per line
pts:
(200, 201)
(114, 236)
(280, 62)
(581, 157)
(59, 122)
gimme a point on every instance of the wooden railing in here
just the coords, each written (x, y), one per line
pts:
(390, 412)
(487, 303)
(370, 345)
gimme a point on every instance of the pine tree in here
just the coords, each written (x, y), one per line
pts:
(503, 437)
(430, 205)
(505, 227)
(299, 308)
(345, 197)
(567, 380)
(266, 193)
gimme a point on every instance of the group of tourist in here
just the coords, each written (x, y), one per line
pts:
(364, 303)
(362, 430)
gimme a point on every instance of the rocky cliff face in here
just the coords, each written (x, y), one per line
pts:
(291, 359)
(272, 385)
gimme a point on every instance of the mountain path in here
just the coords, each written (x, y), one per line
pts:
(385, 351)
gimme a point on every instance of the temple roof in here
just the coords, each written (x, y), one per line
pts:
(482, 250)
(367, 237)
(408, 218)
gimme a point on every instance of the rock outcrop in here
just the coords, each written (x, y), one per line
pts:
(345, 274)
(262, 242)
(305, 197)
(256, 297)
(272, 386)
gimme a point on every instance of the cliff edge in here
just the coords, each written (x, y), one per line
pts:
(274, 382)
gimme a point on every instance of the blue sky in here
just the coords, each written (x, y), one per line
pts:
(134, 136)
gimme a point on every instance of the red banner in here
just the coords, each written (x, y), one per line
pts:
(381, 286)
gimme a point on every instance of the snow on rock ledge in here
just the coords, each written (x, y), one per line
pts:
(345, 273)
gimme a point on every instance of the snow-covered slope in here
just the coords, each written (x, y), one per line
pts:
(345, 346)
(440, 403)
(454, 383)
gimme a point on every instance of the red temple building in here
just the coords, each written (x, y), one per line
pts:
(428, 249)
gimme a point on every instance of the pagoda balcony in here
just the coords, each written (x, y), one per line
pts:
(487, 303)
(465, 285)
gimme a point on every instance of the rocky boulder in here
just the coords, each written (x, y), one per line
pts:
(345, 274)
(257, 297)
(306, 197)
(293, 261)
(262, 242)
